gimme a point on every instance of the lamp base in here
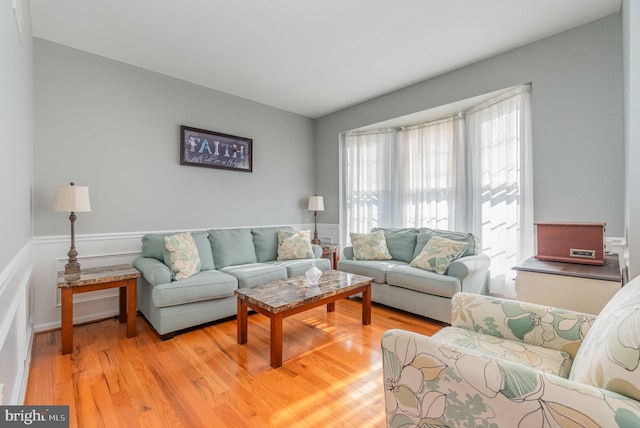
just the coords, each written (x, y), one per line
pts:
(72, 270)
(315, 241)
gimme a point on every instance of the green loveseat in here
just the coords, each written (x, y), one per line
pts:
(229, 258)
(398, 284)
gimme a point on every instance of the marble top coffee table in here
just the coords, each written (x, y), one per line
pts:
(282, 298)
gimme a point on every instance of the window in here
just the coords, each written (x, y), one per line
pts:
(470, 172)
(367, 178)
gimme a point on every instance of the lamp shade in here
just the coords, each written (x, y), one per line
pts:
(316, 203)
(72, 198)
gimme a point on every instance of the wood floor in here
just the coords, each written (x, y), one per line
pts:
(331, 373)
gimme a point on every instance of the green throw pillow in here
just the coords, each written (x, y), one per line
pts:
(438, 254)
(181, 255)
(370, 246)
(294, 245)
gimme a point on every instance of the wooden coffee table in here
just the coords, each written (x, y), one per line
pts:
(282, 298)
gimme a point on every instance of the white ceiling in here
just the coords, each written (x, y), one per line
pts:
(311, 57)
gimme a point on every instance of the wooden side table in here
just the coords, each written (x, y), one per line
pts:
(331, 250)
(94, 279)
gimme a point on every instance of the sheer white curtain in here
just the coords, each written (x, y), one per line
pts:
(429, 175)
(368, 158)
(501, 193)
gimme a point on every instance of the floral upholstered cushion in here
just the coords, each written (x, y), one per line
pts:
(526, 322)
(540, 358)
(294, 245)
(438, 254)
(609, 357)
(181, 255)
(370, 246)
(433, 383)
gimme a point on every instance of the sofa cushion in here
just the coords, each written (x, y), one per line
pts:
(426, 234)
(400, 242)
(153, 246)
(299, 267)
(546, 360)
(609, 356)
(438, 254)
(370, 246)
(265, 241)
(205, 285)
(255, 273)
(232, 247)
(376, 269)
(294, 245)
(424, 281)
(181, 255)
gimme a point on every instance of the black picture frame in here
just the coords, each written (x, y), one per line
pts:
(209, 149)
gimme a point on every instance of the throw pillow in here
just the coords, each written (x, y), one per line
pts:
(438, 254)
(181, 255)
(294, 245)
(609, 357)
(370, 246)
(425, 234)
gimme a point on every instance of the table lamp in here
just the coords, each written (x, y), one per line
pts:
(316, 203)
(72, 199)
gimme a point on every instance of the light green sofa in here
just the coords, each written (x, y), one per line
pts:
(398, 284)
(505, 363)
(230, 259)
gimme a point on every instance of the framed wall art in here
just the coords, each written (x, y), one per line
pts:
(199, 147)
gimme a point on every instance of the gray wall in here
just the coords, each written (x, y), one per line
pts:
(577, 120)
(16, 123)
(16, 170)
(115, 128)
(631, 26)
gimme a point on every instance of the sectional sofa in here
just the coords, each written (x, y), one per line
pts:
(228, 259)
(419, 290)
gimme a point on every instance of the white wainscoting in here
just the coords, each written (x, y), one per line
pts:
(50, 256)
(16, 326)
(327, 232)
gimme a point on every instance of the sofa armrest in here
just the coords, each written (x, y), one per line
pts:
(347, 252)
(472, 271)
(526, 322)
(317, 250)
(153, 270)
(469, 265)
(432, 382)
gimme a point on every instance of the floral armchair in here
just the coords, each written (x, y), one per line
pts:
(505, 363)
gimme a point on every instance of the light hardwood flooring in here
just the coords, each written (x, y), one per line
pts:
(331, 373)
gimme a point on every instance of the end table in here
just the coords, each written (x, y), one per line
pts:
(94, 279)
(331, 250)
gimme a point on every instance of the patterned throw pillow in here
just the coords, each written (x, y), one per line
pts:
(181, 255)
(438, 254)
(370, 246)
(294, 245)
(609, 356)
